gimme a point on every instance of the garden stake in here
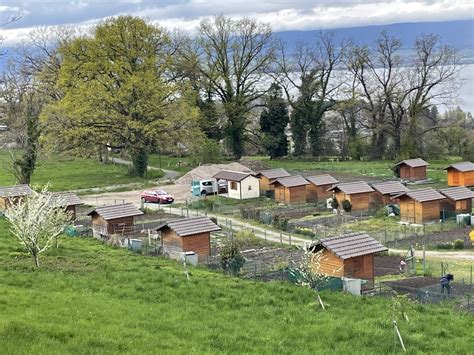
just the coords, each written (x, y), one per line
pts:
(399, 336)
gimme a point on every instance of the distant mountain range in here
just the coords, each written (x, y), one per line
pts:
(459, 34)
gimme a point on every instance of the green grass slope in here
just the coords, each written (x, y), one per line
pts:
(89, 298)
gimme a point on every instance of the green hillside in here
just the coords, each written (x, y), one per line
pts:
(89, 298)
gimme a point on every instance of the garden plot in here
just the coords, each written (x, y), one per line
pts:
(387, 265)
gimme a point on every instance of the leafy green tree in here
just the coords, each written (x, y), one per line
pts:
(273, 122)
(117, 89)
(231, 257)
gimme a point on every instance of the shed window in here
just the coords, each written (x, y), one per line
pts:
(250, 187)
(233, 185)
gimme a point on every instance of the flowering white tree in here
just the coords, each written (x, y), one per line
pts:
(37, 220)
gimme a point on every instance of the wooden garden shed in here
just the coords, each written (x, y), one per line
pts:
(412, 169)
(385, 191)
(458, 199)
(188, 234)
(114, 219)
(349, 255)
(290, 190)
(461, 174)
(358, 193)
(317, 190)
(68, 200)
(268, 176)
(240, 185)
(420, 206)
(12, 194)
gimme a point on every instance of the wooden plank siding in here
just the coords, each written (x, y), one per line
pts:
(412, 174)
(461, 206)
(416, 212)
(265, 185)
(316, 193)
(459, 178)
(198, 243)
(290, 195)
(360, 202)
(122, 226)
(329, 264)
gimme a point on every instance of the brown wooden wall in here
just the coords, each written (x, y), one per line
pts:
(290, 195)
(412, 174)
(461, 206)
(198, 243)
(315, 193)
(430, 211)
(72, 211)
(416, 212)
(380, 199)
(122, 226)
(360, 267)
(407, 210)
(458, 178)
(329, 264)
(265, 185)
(360, 202)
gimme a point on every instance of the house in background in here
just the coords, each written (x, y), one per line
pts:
(69, 200)
(412, 169)
(357, 193)
(240, 185)
(458, 199)
(461, 174)
(318, 188)
(384, 191)
(114, 219)
(349, 255)
(187, 234)
(290, 190)
(268, 176)
(420, 206)
(12, 194)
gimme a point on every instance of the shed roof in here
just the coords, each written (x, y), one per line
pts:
(68, 198)
(231, 175)
(462, 167)
(117, 211)
(274, 173)
(349, 188)
(457, 193)
(413, 163)
(389, 187)
(15, 191)
(190, 226)
(351, 245)
(323, 179)
(291, 181)
(422, 195)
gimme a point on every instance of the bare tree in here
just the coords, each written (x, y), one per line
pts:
(308, 77)
(232, 59)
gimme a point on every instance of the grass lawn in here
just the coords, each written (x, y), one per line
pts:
(379, 168)
(89, 298)
(68, 173)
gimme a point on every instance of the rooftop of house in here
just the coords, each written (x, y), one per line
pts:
(349, 188)
(291, 181)
(274, 173)
(457, 193)
(389, 187)
(323, 179)
(15, 191)
(462, 167)
(231, 175)
(413, 163)
(190, 226)
(422, 195)
(117, 211)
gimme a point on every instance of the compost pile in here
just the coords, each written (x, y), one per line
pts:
(207, 171)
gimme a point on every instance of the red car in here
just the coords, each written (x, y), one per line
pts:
(157, 196)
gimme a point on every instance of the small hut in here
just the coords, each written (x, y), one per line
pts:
(114, 219)
(461, 174)
(317, 190)
(290, 190)
(349, 255)
(384, 191)
(357, 193)
(12, 194)
(412, 169)
(69, 200)
(188, 234)
(239, 185)
(419, 206)
(458, 199)
(268, 176)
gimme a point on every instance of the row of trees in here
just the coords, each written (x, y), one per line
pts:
(130, 84)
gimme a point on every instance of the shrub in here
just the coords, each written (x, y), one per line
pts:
(334, 203)
(443, 246)
(231, 257)
(458, 244)
(347, 205)
(208, 152)
(304, 231)
(280, 222)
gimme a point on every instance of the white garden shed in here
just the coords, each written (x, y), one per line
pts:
(240, 185)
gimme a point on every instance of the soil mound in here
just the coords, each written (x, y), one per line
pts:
(207, 171)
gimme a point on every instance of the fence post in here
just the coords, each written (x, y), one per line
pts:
(385, 234)
(281, 239)
(290, 238)
(424, 261)
(265, 231)
(471, 274)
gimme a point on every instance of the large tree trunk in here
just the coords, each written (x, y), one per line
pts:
(377, 150)
(139, 158)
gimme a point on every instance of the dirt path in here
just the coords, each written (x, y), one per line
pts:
(453, 255)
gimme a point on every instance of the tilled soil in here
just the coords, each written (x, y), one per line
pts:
(387, 265)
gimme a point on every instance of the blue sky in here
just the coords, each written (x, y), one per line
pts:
(186, 14)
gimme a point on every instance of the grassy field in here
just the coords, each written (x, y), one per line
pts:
(67, 173)
(89, 298)
(379, 169)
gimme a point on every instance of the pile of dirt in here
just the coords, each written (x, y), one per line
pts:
(207, 171)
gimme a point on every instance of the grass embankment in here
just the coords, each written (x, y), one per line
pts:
(71, 173)
(90, 298)
(380, 169)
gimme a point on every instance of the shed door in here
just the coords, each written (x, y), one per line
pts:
(281, 195)
(456, 177)
(411, 212)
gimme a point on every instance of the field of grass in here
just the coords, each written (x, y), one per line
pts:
(67, 173)
(89, 298)
(379, 168)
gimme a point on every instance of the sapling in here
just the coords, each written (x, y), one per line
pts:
(37, 221)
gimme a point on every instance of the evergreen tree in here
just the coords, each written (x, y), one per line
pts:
(273, 121)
